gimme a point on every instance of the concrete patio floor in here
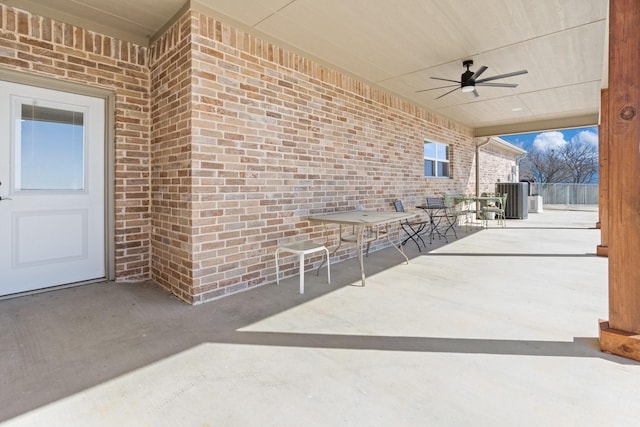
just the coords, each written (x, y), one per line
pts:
(497, 328)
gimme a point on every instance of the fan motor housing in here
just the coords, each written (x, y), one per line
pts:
(465, 78)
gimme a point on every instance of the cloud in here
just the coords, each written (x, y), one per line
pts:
(549, 141)
(586, 137)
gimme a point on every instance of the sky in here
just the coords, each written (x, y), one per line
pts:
(51, 156)
(553, 139)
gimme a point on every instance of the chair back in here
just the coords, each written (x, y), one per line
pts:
(398, 205)
(435, 202)
(503, 201)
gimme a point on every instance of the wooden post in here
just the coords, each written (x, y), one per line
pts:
(621, 334)
(603, 174)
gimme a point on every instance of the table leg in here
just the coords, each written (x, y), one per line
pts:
(399, 248)
(301, 262)
(359, 244)
(435, 223)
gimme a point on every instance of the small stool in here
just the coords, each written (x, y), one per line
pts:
(301, 249)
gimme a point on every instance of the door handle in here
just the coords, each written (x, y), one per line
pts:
(3, 198)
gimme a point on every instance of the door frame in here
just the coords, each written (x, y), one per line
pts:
(109, 158)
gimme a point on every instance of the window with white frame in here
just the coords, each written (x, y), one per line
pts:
(436, 160)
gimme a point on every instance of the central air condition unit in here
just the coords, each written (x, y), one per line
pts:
(517, 199)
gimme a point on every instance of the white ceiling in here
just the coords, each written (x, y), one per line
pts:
(398, 45)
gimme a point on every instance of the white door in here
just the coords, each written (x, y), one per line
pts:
(52, 221)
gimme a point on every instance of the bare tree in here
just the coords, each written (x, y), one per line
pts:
(575, 162)
(544, 166)
(581, 160)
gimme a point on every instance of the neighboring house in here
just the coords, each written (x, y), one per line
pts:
(201, 151)
(499, 162)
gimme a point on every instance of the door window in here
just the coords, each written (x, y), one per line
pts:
(50, 149)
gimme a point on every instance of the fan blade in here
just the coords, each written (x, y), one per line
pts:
(446, 80)
(497, 84)
(434, 88)
(452, 90)
(475, 93)
(502, 76)
(477, 73)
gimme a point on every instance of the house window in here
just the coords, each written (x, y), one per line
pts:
(436, 160)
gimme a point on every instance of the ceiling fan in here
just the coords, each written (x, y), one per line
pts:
(469, 80)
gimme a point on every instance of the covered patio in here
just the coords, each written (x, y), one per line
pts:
(495, 328)
(223, 135)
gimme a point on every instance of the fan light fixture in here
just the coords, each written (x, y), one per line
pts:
(469, 80)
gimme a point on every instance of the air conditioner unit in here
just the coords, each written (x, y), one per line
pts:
(517, 205)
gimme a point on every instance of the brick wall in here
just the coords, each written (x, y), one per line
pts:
(276, 137)
(225, 143)
(495, 166)
(172, 160)
(44, 47)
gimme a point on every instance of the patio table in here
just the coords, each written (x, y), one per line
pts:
(361, 221)
(437, 214)
(477, 200)
(487, 199)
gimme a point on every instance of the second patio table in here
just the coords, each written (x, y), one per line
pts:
(362, 221)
